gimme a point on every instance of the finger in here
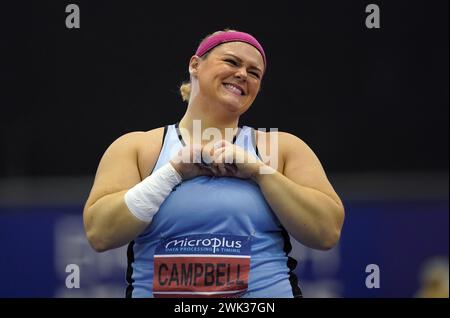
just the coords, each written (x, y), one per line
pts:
(207, 155)
(231, 169)
(222, 170)
(206, 170)
(222, 167)
(215, 169)
(196, 153)
(228, 155)
(219, 144)
(211, 146)
(218, 155)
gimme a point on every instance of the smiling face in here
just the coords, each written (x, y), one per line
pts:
(230, 75)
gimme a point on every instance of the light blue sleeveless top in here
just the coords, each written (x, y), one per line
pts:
(212, 237)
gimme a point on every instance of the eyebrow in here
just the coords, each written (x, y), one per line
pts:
(240, 60)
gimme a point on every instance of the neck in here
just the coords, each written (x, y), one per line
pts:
(199, 114)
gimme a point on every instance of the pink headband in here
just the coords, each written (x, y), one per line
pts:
(230, 36)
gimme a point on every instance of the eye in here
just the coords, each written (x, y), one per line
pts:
(255, 74)
(233, 62)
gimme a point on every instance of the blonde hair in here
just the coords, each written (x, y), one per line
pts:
(185, 91)
(185, 88)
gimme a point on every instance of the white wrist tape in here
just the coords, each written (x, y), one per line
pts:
(145, 198)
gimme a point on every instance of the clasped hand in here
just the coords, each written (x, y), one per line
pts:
(219, 159)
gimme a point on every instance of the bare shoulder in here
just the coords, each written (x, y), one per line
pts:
(300, 164)
(297, 153)
(280, 144)
(149, 145)
(283, 138)
(121, 165)
(137, 140)
(138, 137)
(290, 142)
(151, 138)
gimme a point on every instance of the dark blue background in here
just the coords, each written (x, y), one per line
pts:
(397, 236)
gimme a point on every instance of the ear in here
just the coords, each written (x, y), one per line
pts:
(193, 65)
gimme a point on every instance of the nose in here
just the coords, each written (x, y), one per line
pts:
(241, 73)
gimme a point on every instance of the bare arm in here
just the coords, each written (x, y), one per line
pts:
(108, 222)
(302, 197)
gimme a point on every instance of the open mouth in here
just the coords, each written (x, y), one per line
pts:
(234, 89)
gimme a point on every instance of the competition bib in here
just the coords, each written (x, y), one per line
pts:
(203, 265)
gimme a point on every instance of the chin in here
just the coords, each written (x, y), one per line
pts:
(233, 105)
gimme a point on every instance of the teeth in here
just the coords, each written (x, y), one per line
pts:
(234, 88)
